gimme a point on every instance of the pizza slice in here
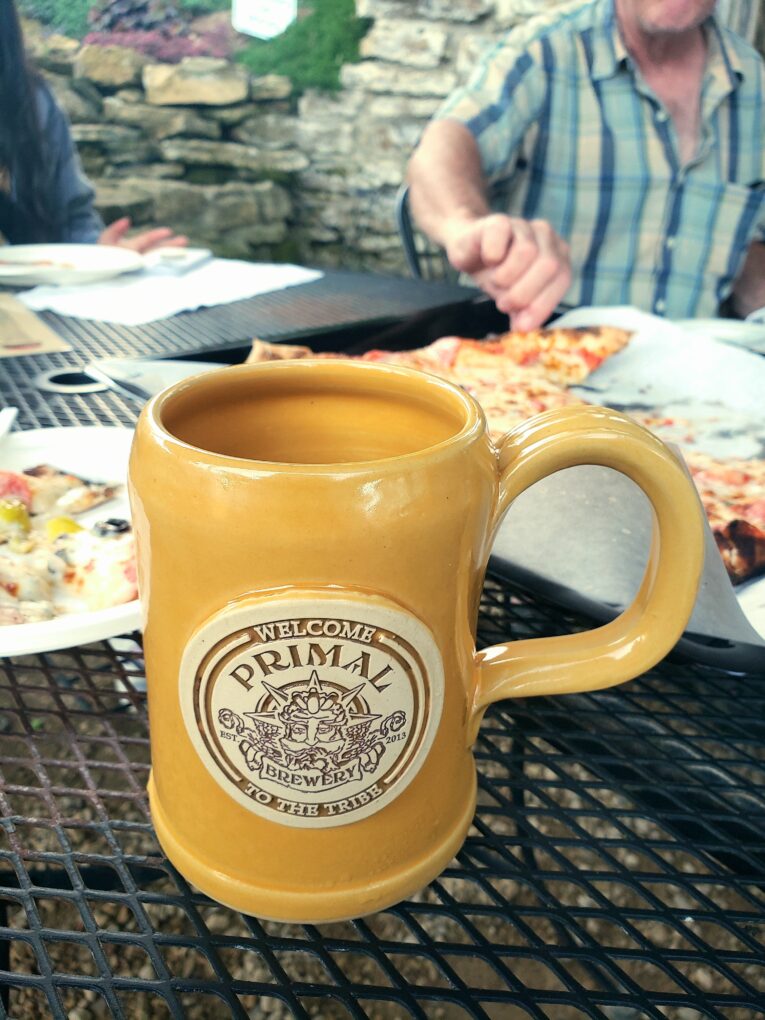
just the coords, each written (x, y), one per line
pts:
(99, 567)
(15, 488)
(43, 490)
(27, 579)
(64, 568)
(742, 547)
(261, 351)
(733, 495)
(61, 492)
(439, 357)
(507, 392)
(51, 564)
(565, 356)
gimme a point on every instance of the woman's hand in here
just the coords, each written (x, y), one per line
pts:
(159, 237)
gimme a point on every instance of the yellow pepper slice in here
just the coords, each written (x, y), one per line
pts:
(14, 516)
(60, 526)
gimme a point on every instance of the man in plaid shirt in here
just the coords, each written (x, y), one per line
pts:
(607, 152)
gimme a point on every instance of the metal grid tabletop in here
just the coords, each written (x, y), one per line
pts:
(615, 868)
(589, 885)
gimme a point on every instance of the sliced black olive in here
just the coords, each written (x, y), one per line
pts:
(111, 526)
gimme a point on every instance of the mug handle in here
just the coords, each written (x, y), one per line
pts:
(648, 628)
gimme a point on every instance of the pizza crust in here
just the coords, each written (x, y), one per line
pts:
(742, 547)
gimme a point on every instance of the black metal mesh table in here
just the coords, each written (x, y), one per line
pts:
(590, 885)
(331, 312)
(615, 868)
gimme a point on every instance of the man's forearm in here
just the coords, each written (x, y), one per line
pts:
(446, 181)
(524, 266)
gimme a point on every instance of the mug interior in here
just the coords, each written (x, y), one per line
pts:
(315, 412)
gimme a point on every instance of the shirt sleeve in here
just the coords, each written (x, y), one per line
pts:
(501, 102)
(73, 194)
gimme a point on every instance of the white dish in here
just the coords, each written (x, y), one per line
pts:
(27, 265)
(98, 453)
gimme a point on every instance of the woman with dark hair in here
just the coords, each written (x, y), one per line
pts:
(44, 195)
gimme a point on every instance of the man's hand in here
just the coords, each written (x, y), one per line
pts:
(160, 237)
(522, 264)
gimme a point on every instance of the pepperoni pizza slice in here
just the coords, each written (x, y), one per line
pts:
(733, 495)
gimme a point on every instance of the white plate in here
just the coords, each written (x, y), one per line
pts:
(100, 454)
(27, 265)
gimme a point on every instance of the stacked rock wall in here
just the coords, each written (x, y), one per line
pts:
(200, 146)
(240, 165)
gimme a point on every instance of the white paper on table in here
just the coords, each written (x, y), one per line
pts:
(135, 299)
(718, 388)
(751, 598)
(693, 375)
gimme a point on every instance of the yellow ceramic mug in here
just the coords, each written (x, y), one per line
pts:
(312, 542)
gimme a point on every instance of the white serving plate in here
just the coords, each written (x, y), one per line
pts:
(98, 453)
(27, 265)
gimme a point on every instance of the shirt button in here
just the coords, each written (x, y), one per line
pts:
(659, 306)
(671, 242)
(662, 116)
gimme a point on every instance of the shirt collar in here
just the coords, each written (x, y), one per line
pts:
(724, 63)
(610, 53)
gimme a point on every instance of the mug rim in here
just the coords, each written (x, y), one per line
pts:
(473, 425)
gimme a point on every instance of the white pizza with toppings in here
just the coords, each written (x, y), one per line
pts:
(54, 561)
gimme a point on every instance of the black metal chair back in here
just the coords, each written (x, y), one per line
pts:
(425, 259)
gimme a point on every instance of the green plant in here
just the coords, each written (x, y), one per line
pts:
(312, 50)
(67, 16)
(204, 6)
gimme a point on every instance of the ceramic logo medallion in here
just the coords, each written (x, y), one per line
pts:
(312, 711)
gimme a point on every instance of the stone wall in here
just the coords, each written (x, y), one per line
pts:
(240, 165)
(199, 146)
